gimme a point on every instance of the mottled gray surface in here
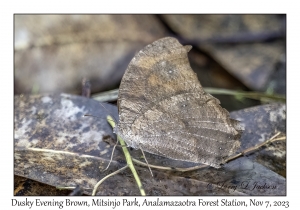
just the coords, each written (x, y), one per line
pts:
(55, 159)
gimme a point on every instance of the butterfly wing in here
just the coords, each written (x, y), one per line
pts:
(164, 110)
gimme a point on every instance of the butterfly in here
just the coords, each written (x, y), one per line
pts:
(164, 110)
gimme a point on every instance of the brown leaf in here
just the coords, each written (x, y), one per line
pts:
(68, 48)
(236, 42)
(262, 122)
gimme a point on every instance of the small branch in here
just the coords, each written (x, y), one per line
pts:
(86, 88)
(253, 95)
(109, 175)
(170, 168)
(65, 188)
(246, 151)
(112, 95)
(128, 158)
(254, 148)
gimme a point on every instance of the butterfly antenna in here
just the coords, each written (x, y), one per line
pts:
(89, 115)
(114, 119)
(146, 162)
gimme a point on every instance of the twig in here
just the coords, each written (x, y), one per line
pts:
(170, 168)
(253, 95)
(128, 158)
(254, 148)
(109, 175)
(246, 151)
(65, 188)
(112, 95)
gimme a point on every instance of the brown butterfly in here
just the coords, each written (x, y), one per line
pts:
(164, 110)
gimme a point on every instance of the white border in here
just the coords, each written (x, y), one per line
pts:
(153, 6)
